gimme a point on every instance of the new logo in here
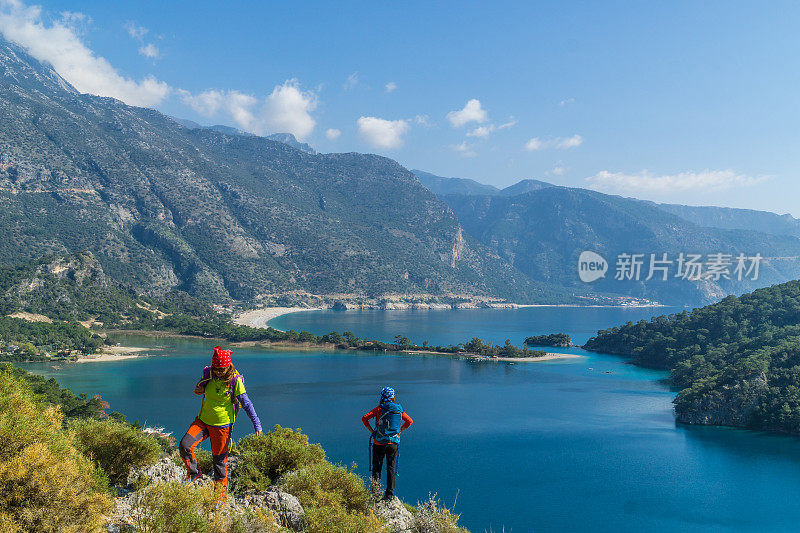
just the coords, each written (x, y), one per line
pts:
(591, 266)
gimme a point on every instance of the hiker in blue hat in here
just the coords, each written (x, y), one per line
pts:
(390, 421)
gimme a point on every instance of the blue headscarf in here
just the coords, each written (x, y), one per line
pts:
(387, 394)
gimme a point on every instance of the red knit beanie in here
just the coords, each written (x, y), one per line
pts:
(221, 358)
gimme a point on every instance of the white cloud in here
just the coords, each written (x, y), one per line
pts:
(559, 143)
(75, 19)
(423, 120)
(351, 81)
(391, 86)
(510, 124)
(645, 182)
(472, 112)
(535, 144)
(137, 32)
(569, 142)
(557, 171)
(485, 130)
(566, 101)
(237, 105)
(240, 107)
(380, 133)
(59, 44)
(150, 51)
(286, 110)
(463, 149)
(481, 131)
(206, 103)
(333, 133)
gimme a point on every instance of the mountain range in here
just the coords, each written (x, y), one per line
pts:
(164, 206)
(542, 228)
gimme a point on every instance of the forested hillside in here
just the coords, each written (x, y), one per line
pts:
(221, 216)
(737, 362)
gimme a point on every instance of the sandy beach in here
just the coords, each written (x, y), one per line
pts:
(258, 318)
(113, 353)
(549, 356)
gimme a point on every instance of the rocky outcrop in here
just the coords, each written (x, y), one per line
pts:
(164, 471)
(394, 514)
(284, 507)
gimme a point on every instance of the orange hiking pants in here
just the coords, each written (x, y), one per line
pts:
(220, 445)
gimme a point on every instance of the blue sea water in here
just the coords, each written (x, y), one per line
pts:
(586, 444)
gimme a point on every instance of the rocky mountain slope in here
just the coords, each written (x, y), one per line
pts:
(222, 216)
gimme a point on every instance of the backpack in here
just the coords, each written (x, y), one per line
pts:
(231, 390)
(389, 423)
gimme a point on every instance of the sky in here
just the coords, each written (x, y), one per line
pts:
(682, 102)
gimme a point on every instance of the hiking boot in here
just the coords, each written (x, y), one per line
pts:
(192, 478)
(221, 491)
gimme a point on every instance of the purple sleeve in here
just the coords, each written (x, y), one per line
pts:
(206, 376)
(247, 405)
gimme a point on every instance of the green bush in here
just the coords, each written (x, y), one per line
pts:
(334, 499)
(172, 507)
(117, 447)
(332, 519)
(264, 458)
(46, 484)
(179, 508)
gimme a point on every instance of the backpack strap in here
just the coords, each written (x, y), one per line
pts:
(232, 393)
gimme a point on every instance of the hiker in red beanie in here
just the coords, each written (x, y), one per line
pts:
(223, 393)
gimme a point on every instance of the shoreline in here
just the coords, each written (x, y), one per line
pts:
(258, 318)
(119, 353)
(114, 353)
(548, 356)
(637, 306)
(103, 357)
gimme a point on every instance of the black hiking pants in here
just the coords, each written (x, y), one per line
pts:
(390, 452)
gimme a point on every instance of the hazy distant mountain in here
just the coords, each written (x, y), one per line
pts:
(543, 232)
(285, 138)
(709, 216)
(731, 218)
(521, 187)
(288, 138)
(162, 205)
(440, 185)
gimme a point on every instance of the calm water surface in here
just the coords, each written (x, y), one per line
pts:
(586, 444)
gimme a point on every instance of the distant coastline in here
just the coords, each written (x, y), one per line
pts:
(260, 317)
(549, 356)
